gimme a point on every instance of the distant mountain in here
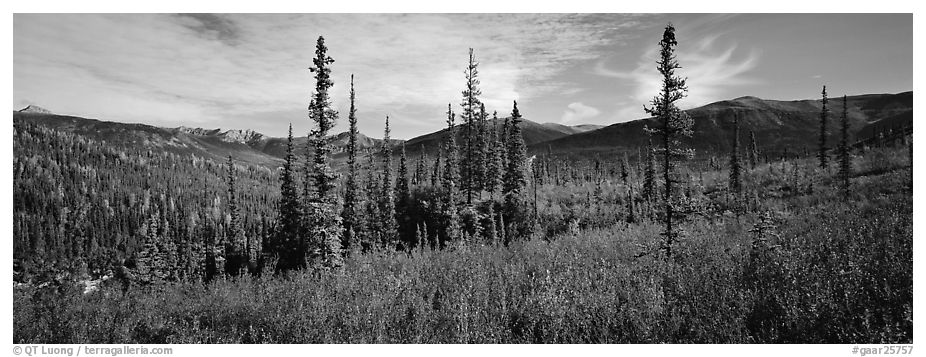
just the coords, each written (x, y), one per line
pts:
(532, 132)
(244, 145)
(779, 126)
(575, 129)
(34, 109)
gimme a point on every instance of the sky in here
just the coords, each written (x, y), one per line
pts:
(250, 71)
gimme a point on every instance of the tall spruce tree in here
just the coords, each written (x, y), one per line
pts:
(670, 125)
(420, 175)
(470, 116)
(402, 198)
(515, 179)
(436, 176)
(494, 160)
(845, 161)
(452, 224)
(287, 244)
(323, 223)
(753, 150)
(481, 151)
(824, 116)
(353, 201)
(736, 184)
(373, 225)
(515, 210)
(390, 230)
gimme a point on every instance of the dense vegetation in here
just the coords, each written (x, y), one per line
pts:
(120, 243)
(801, 266)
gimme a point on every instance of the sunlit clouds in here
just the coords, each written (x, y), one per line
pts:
(250, 71)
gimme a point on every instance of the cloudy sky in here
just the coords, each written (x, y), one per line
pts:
(249, 71)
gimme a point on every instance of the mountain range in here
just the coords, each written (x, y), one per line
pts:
(779, 127)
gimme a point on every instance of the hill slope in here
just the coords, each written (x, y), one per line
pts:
(780, 126)
(533, 133)
(244, 145)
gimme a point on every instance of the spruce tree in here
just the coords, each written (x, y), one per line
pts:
(671, 124)
(450, 179)
(352, 200)
(845, 161)
(402, 197)
(494, 160)
(516, 180)
(736, 184)
(753, 150)
(420, 174)
(503, 148)
(288, 241)
(470, 106)
(390, 231)
(824, 114)
(323, 223)
(436, 171)
(373, 224)
(481, 151)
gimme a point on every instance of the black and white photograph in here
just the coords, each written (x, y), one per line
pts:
(475, 178)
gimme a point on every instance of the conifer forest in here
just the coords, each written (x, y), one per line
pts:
(741, 221)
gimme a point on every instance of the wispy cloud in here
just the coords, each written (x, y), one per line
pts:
(577, 113)
(713, 73)
(251, 70)
(228, 70)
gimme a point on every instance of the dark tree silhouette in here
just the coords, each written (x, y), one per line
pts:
(288, 242)
(451, 215)
(824, 116)
(470, 116)
(515, 210)
(670, 125)
(350, 214)
(402, 200)
(390, 228)
(322, 221)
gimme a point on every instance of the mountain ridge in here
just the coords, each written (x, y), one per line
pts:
(781, 127)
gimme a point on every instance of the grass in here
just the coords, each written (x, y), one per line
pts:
(822, 270)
